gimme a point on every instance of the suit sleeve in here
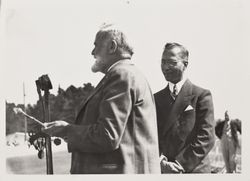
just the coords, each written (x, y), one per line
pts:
(114, 111)
(204, 137)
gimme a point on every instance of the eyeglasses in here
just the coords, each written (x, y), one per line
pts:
(169, 63)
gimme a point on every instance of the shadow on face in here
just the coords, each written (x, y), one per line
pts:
(173, 64)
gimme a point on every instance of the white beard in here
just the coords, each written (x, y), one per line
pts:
(95, 67)
(98, 65)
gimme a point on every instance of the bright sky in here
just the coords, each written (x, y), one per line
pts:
(55, 37)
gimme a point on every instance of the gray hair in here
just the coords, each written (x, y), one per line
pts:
(112, 31)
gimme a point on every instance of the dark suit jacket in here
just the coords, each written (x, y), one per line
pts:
(116, 129)
(186, 136)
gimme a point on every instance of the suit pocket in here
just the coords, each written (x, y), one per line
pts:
(187, 117)
(185, 124)
(188, 111)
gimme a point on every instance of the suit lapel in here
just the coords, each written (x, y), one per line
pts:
(100, 85)
(183, 100)
(165, 100)
(97, 88)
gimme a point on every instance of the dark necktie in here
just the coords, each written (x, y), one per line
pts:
(175, 92)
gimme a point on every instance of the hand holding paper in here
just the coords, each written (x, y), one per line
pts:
(56, 128)
(19, 110)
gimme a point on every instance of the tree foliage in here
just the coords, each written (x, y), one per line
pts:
(14, 123)
(63, 106)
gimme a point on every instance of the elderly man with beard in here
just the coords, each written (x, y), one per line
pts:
(115, 131)
(185, 117)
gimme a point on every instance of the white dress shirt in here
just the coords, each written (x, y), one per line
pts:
(178, 85)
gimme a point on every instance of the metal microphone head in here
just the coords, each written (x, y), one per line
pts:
(17, 110)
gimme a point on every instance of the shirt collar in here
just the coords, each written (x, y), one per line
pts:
(178, 85)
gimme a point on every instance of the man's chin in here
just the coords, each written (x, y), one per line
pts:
(174, 81)
(95, 68)
(168, 79)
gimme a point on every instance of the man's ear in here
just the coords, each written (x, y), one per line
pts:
(112, 46)
(185, 63)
